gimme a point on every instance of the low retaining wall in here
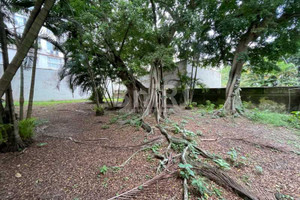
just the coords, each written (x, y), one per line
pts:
(289, 96)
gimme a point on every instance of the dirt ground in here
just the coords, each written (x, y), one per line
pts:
(72, 144)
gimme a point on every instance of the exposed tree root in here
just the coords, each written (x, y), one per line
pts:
(176, 140)
(257, 144)
(225, 181)
(209, 172)
(185, 181)
(155, 140)
(147, 127)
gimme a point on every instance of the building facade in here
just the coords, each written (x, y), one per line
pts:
(49, 63)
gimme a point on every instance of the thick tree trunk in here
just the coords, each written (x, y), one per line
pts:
(21, 99)
(157, 95)
(25, 45)
(233, 101)
(32, 84)
(134, 97)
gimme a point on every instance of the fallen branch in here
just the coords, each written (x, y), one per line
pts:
(124, 163)
(225, 181)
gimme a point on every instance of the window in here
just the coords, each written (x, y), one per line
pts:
(20, 23)
(54, 63)
(50, 47)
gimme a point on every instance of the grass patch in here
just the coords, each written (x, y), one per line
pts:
(273, 118)
(52, 102)
(114, 100)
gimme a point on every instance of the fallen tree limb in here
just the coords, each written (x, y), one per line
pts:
(124, 163)
(225, 181)
(267, 146)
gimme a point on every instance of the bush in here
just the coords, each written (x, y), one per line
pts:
(265, 104)
(4, 128)
(26, 128)
(99, 110)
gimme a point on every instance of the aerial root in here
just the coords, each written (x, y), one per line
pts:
(212, 173)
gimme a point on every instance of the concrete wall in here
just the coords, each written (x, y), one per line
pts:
(289, 96)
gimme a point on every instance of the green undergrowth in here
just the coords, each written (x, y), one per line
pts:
(274, 118)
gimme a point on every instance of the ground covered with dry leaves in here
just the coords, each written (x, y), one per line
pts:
(74, 152)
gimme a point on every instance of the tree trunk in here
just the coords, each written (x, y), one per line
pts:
(31, 93)
(25, 45)
(133, 99)
(14, 140)
(233, 101)
(21, 100)
(157, 95)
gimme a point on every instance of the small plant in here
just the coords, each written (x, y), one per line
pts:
(202, 187)
(177, 129)
(103, 170)
(105, 183)
(26, 128)
(177, 147)
(217, 191)
(186, 171)
(99, 110)
(259, 169)
(149, 158)
(188, 106)
(155, 148)
(222, 164)
(209, 106)
(245, 179)
(116, 169)
(105, 126)
(233, 155)
(113, 120)
(296, 114)
(4, 128)
(199, 133)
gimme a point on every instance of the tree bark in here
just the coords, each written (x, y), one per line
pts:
(25, 45)
(14, 140)
(21, 100)
(233, 101)
(32, 84)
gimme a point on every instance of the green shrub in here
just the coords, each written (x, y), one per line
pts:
(4, 128)
(265, 104)
(276, 119)
(99, 110)
(202, 187)
(26, 128)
